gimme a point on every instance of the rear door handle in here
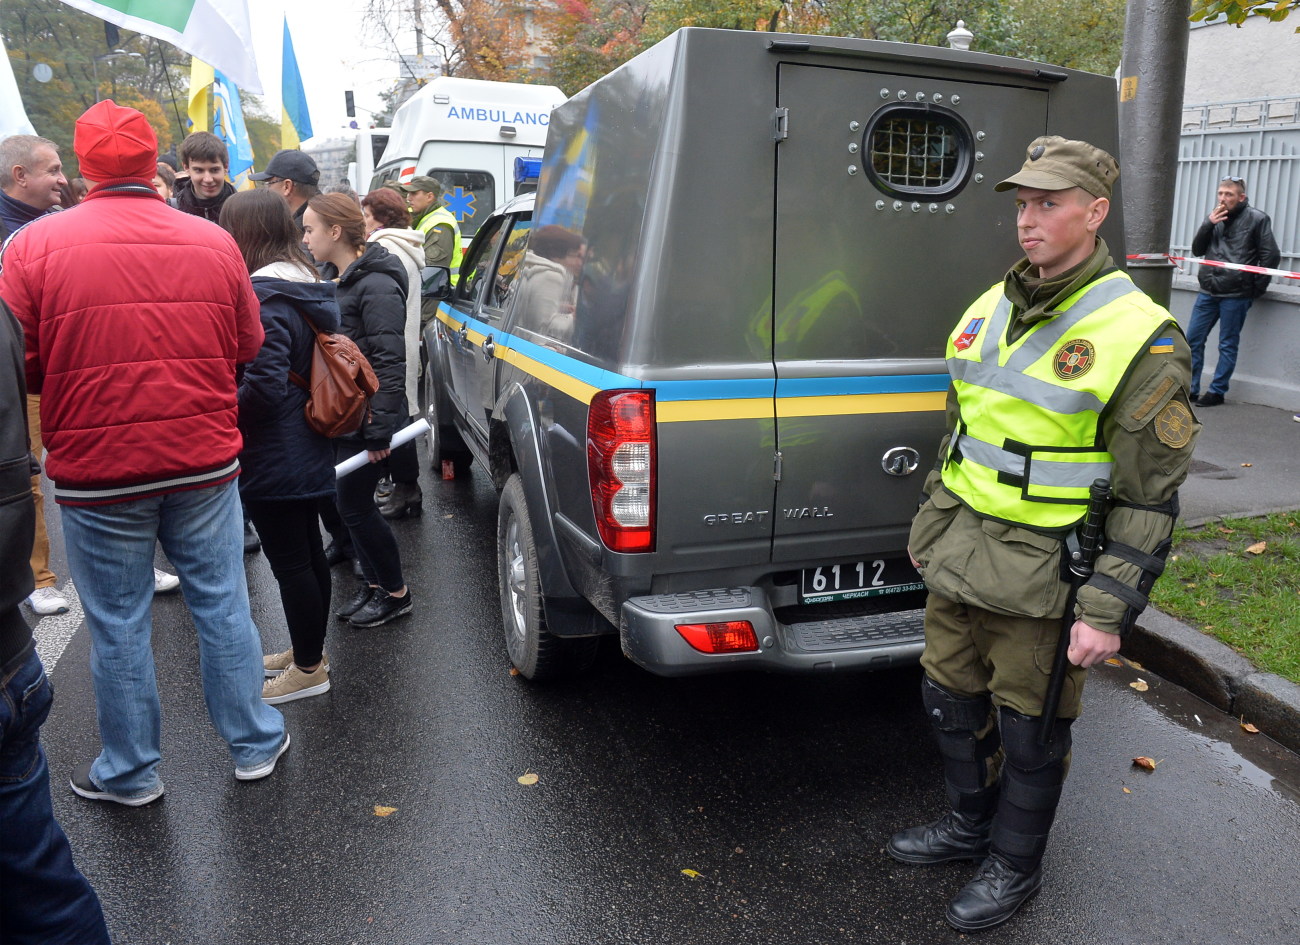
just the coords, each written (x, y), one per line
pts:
(464, 333)
(489, 348)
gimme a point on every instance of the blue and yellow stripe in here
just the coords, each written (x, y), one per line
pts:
(718, 399)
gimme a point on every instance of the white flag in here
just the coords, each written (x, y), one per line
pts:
(215, 31)
(13, 117)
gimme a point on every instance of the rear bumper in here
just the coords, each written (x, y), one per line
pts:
(647, 628)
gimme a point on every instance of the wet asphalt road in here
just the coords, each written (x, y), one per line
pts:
(779, 792)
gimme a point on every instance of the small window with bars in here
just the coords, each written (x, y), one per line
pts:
(917, 151)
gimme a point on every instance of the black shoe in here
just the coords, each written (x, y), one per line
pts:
(1209, 400)
(83, 786)
(993, 896)
(951, 837)
(381, 608)
(337, 554)
(356, 601)
(251, 541)
(383, 489)
(405, 500)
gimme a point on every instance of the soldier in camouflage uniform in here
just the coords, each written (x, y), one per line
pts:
(1063, 373)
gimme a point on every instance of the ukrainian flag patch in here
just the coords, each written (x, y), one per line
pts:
(1162, 346)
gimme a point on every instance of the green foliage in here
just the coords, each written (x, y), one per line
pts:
(1236, 11)
(1247, 600)
(1094, 41)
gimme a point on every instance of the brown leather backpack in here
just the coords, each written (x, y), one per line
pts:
(342, 383)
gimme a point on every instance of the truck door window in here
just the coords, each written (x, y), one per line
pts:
(918, 151)
(470, 196)
(477, 265)
(512, 259)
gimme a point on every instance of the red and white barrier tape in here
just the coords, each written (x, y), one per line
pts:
(1257, 270)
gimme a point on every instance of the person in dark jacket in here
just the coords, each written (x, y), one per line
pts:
(1234, 232)
(43, 896)
(204, 189)
(372, 289)
(287, 466)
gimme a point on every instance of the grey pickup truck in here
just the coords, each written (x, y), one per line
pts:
(703, 365)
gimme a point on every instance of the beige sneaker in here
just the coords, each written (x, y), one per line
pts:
(276, 663)
(293, 683)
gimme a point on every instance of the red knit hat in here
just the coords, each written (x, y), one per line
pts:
(112, 142)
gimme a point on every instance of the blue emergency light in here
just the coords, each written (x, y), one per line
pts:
(527, 169)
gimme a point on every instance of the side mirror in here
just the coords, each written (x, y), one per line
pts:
(435, 283)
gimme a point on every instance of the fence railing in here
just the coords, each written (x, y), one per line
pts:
(1257, 139)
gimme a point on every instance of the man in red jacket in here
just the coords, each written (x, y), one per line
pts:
(135, 317)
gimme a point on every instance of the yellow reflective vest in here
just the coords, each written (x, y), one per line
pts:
(1029, 441)
(441, 216)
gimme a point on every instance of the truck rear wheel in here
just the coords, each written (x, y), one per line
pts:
(536, 652)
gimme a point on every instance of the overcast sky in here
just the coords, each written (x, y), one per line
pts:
(331, 57)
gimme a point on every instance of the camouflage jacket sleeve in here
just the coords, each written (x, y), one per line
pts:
(1150, 431)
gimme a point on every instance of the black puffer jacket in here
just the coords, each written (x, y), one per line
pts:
(1246, 236)
(372, 303)
(17, 512)
(284, 458)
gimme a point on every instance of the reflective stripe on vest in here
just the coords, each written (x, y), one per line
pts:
(441, 216)
(1029, 444)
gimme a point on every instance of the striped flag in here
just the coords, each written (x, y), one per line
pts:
(215, 31)
(228, 125)
(201, 77)
(295, 120)
(13, 117)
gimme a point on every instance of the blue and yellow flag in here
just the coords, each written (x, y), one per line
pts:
(228, 125)
(295, 121)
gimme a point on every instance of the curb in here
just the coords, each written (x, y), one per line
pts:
(1218, 674)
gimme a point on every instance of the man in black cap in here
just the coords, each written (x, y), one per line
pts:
(294, 176)
(1062, 373)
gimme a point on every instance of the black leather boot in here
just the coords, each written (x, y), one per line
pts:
(1032, 778)
(406, 499)
(967, 734)
(993, 896)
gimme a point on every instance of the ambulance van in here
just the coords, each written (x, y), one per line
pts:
(467, 134)
(704, 364)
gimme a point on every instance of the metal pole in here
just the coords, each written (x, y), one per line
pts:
(1150, 118)
(94, 68)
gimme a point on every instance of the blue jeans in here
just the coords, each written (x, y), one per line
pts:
(1230, 313)
(110, 552)
(43, 896)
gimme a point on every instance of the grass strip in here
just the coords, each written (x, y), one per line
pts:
(1249, 599)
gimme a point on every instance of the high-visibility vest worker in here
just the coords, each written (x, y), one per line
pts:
(1029, 443)
(441, 216)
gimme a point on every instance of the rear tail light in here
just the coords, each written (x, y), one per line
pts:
(734, 636)
(621, 465)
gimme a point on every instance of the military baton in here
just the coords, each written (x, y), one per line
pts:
(1081, 562)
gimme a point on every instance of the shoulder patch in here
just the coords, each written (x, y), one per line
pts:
(1174, 425)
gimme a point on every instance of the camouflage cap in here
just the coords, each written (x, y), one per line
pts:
(425, 183)
(1056, 163)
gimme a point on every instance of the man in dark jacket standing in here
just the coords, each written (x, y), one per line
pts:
(1234, 232)
(294, 176)
(43, 896)
(135, 317)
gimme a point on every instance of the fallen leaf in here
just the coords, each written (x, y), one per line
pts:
(1114, 662)
(381, 811)
(513, 671)
(1257, 548)
(691, 873)
(527, 778)
(1226, 530)
(1140, 685)
(1247, 727)
(1202, 603)
(1147, 764)
(1127, 791)
(1135, 664)
(1247, 465)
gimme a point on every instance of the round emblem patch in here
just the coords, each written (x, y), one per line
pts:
(1074, 359)
(1174, 425)
(1035, 154)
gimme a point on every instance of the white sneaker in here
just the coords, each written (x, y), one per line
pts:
(47, 600)
(164, 582)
